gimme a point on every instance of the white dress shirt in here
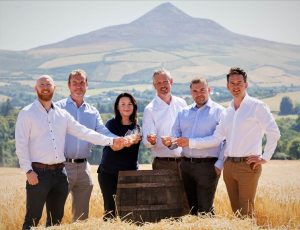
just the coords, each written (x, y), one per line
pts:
(243, 130)
(40, 135)
(159, 118)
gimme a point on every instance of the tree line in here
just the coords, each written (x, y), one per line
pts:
(288, 145)
(287, 106)
(21, 95)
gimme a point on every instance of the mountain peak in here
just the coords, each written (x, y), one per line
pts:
(168, 8)
(167, 11)
(166, 25)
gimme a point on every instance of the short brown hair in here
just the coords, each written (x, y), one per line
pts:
(198, 80)
(237, 70)
(80, 72)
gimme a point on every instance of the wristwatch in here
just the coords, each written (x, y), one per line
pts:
(29, 171)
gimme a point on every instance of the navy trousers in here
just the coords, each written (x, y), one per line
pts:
(108, 184)
(200, 182)
(52, 189)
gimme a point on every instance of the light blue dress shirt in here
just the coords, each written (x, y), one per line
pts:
(88, 116)
(199, 122)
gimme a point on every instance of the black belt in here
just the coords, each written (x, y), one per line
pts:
(168, 158)
(201, 160)
(237, 159)
(76, 160)
(49, 167)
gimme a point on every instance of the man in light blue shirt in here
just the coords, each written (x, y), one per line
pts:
(77, 151)
(200, 168)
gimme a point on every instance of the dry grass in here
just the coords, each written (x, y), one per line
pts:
(277, 204)
(3, 98)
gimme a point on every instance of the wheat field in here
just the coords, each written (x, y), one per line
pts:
(277, 204)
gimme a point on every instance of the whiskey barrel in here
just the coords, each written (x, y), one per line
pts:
(150, 195)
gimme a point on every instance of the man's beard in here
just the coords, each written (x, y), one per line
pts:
(200, 101)
(43, 97)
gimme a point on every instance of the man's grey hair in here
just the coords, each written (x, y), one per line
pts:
(161, 72)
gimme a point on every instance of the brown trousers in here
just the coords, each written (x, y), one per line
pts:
(241, 183)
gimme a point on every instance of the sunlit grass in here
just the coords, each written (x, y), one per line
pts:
(277, 204)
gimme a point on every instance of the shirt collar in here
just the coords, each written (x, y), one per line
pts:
(207, 104)
(244, 102)
(41, 107)
(71, 101)
(160, 101)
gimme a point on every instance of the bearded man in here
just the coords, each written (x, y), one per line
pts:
(40, 139)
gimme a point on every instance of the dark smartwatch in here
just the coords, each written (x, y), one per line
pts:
(29, 171)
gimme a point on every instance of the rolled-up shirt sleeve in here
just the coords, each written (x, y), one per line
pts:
(220, 162)
(148, 127)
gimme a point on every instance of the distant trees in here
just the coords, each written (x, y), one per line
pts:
(297, 108)
(296, 126)
(6, 108)
(288, 146)
(7, 140)
(294, 148)
(286, 106)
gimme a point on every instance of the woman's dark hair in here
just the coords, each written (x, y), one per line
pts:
(133, 116)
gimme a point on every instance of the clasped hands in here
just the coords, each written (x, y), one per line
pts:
(168, 140)
(179, 141)
(121, 142)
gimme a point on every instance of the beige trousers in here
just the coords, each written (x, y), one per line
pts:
(80, 187)
(241, 183)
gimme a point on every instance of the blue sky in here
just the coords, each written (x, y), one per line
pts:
(27, 24)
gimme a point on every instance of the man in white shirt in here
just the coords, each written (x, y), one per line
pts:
(243, 126)
(40, 138)
(158, 119)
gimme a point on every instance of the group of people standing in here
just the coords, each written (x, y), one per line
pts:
(53, 142)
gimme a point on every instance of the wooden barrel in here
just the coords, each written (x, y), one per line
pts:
(150, 195)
